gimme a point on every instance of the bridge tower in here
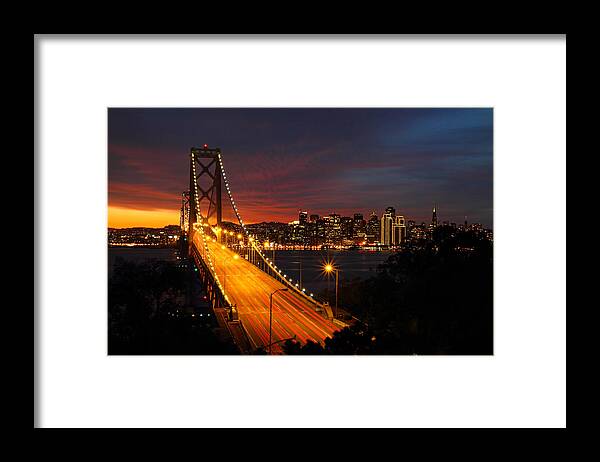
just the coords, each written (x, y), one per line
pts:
(184, 216)
(204, 201)
(208, 191)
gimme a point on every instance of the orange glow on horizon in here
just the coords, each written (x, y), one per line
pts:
(121, 217)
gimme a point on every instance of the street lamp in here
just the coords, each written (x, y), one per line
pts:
(271, 315)
(328, 269)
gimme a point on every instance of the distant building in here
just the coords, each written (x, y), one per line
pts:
(373, 228)
(347, 228)
(320, 230)
(333, 228)
(398, 230)
(302, 235)
(418, 233)
(359, 226)
(302, 218)
(387, 221)
(145, 237)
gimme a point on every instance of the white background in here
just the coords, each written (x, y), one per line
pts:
(523, 384)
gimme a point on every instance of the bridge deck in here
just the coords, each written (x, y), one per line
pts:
(249, 288)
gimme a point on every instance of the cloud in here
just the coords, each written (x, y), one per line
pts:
(323, 160)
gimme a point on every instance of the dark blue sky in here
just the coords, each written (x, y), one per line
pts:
(323, 160)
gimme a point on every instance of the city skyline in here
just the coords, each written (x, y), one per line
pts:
(311, 231)
(365, 214)
(341, 161)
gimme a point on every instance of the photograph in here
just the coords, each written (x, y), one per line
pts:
(300, 230)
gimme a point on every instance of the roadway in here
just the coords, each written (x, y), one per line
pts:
(249, 288)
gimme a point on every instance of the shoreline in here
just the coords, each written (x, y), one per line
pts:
(142, 246)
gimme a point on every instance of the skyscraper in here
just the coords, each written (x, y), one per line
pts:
(398, 230)
(434, 217)
(347, 228)
(302, 217)
(387, 221)
(373, 228)
(359, 226)
(302, 225)
(335, 233)
(321, 230)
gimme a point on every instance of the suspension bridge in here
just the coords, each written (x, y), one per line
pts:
(258, 302)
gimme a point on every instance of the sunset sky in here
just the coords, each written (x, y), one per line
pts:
(279, 161)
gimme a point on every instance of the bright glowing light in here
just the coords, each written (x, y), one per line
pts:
(239, 236)
(236, 256)
(222, 247)
(328, 268)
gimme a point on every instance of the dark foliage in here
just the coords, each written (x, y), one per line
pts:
(146, 316)
(432, 299)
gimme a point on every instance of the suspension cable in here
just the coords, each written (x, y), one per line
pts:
(253, 242)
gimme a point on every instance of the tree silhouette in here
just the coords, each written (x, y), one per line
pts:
(146, 315)
(429, 299)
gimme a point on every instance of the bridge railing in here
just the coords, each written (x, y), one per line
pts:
(196, 255)
(277, 273)
(200, 260)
